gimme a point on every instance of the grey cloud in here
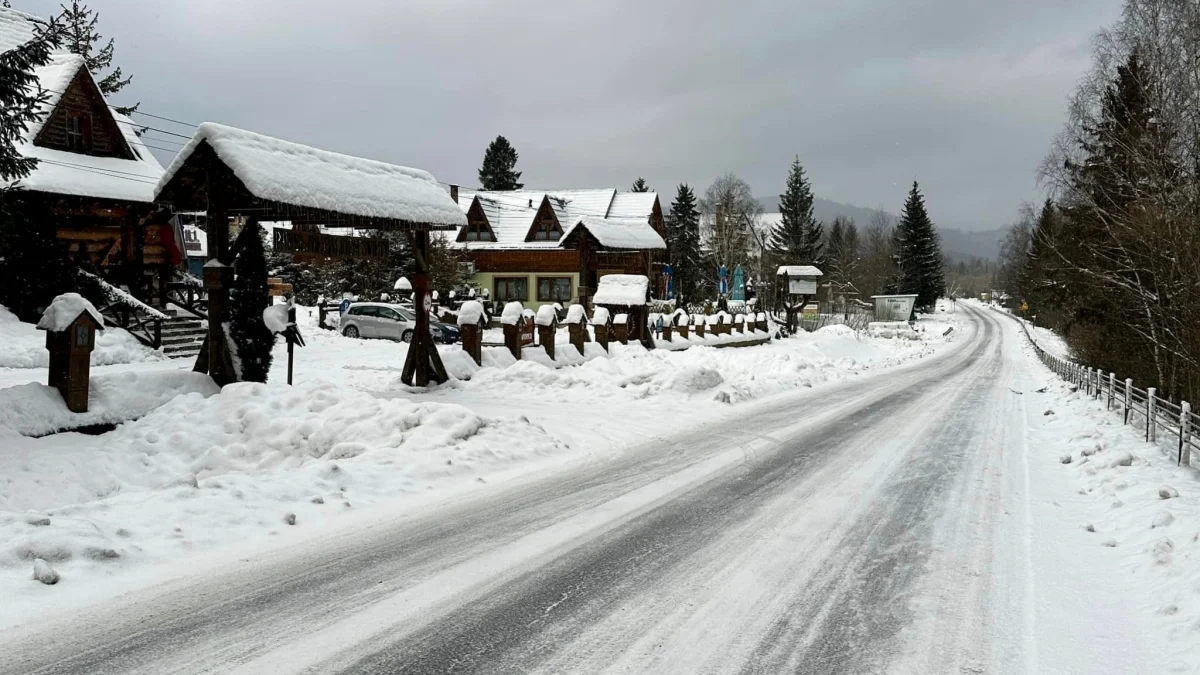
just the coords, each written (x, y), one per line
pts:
(963, 96)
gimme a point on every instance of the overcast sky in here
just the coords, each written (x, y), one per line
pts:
(961, 95)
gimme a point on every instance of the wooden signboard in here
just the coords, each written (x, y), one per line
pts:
(527, 332)
(276, 287)
(330, 246)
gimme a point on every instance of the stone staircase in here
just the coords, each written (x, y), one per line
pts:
(182, 336)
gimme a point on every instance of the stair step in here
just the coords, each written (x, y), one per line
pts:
(177, 340)
(185, 330)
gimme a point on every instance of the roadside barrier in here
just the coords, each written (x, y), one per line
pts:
(1156, 416)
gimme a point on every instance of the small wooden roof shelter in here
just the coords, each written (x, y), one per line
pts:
(230, 172)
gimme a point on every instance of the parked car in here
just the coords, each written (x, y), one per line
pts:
(390, 322)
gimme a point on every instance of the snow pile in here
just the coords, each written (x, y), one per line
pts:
(402, 284)
(470, 313)
(512, 314)
(621, 319)
(22, 345)
(601, 316)
(628, 290)
(36, 409)
(276, 318)
(203, 472)
(64, 309)
(281, 171)
(546, 316)
(576, 314)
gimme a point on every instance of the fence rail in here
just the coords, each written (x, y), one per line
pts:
(1160, 419)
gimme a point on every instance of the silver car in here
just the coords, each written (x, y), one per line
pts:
(378, 320)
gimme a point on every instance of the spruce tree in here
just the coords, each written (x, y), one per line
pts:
(81, 37)
(35, 266)
(499, 167)
(639, 185)
(21, 99)
(797, 238)
(684, 248)
(247, 300)
(919, 253)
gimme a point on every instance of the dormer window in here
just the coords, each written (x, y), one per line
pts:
(79, 131)
(546, 230)
(477, 230)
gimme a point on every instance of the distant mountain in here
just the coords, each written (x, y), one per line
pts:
(957, 244)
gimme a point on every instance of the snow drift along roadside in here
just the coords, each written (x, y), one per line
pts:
(22, 345)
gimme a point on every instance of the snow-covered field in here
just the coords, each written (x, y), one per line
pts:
(22, 346)
(209, 469)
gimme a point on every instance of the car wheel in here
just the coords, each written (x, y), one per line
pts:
(407, 336)
(350, 332)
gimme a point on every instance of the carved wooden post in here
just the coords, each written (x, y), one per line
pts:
(681, 325)
(701, 325)
(71, 324)
(577, 326)
(621, 328)
(547, 327)
(469, 317)
(511, 319)
(602, 323)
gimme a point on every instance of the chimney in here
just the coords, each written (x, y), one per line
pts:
(531, 203)
(454, 192)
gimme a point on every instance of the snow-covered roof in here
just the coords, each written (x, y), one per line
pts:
(621, 233)
(72, 173)
(627, 290)
(511, 213)
(281, 171)
(64, 309)
(798, 271)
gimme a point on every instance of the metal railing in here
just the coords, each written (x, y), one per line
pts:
(1162, 421)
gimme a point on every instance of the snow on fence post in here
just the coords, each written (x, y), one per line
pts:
(1150, 413)
(469, 317)
(602, 323)
(577, 326)
(1185, 433)
(1128, 397)
(1112, 385)
(511, 319)
(620, 325)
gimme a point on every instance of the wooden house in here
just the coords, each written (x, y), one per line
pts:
(95, 177)
(542, 247)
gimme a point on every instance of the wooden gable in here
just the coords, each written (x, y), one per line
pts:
(478, 228)
(656, 220)
(83, 123)
(545, 225)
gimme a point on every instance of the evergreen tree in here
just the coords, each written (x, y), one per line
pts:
(797, 238)
(639, 185)
(35, 266)
(919, 253)
(683, 231)
(247, 300)
(21, 99)
(81, 37)
(499, 167)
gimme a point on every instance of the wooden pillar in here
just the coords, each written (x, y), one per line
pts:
(214, 357)
(578, 334)
(585, 261)
(546, 336)
(472, 341)
(423, 362)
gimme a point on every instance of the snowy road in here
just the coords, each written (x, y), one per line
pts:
(880, 525)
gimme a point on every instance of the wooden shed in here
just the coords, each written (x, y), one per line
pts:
(628, 295)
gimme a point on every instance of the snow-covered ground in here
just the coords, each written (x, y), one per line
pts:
(23, 346)
(209, 469)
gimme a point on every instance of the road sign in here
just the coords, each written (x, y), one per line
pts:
(1024, 306)
(428, 302)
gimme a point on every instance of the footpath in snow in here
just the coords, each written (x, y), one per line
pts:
(201, 469)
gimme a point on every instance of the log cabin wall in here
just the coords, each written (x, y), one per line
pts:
(101, 135)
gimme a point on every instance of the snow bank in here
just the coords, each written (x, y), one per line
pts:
(22, 345)
(36, 409)
(203, 472)
(628, 290)
(65, 309)
(281, 171)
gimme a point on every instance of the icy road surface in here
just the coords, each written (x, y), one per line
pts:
(883, 525)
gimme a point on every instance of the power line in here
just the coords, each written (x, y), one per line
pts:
(165, 119)
(97, 168)
(100, 172)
